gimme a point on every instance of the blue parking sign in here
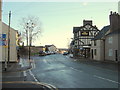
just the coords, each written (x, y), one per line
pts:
(2, 39)
(3, 35)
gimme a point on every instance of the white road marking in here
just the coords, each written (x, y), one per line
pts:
(24, 73)
(106, 79)
(45, 60)
(33, 76)
(62, 70)
(34, 63)
(76, 69)
(22, 65)
(67, 56)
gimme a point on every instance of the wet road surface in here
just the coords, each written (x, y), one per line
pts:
(64, 72)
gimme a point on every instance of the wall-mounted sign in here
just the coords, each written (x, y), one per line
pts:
(3, 40)
(84, 33)
(3, 43)
(2, 35)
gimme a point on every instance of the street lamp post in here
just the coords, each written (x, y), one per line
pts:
(30, 26)
(9, 37)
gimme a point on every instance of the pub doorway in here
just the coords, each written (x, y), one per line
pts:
(85, 53)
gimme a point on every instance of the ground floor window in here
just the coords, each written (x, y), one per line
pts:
(110, 52)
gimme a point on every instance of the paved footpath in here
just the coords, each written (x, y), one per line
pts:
(19, 75)
(115, 66)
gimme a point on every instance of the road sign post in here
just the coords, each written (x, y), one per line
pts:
(3, 43)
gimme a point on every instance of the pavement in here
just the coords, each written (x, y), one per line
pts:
(112, 65)
(17, 76)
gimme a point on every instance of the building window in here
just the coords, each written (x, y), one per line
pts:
(75, 35)
(95, 51)
(110, 40)
(110, 52)
(95, 43)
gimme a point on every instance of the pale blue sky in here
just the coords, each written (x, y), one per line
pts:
(59, 18)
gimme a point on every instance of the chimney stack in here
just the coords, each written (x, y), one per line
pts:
(114, 21)
(87, 22)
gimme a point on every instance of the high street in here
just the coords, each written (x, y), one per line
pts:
(64, 72)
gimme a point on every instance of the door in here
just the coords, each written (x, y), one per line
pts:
(92, 53)
(116, 55)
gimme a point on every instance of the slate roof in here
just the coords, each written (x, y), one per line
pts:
(48, 45)
(72, 43)
(76, 29)
(102, 32)
(114, 32)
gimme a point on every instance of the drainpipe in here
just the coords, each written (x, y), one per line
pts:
(104, 49)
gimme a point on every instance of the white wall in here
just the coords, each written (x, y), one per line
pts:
(111, 44)
(0, 28)
(0, 46)
(13, 50)
(99, 50)
(52, 48)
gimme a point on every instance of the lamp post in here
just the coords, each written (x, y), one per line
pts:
(9, 37)
(30, 26)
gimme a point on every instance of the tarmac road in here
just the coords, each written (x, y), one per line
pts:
(64, 72)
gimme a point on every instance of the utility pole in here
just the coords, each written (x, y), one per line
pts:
(9, 37)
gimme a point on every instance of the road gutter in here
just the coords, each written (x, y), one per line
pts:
(41, 83)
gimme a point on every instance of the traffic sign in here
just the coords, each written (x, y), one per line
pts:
(3, 41)
(2, 35)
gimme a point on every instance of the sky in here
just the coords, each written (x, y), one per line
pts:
(58, 18)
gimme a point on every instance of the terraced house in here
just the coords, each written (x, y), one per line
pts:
(0, 26)
(105, 45)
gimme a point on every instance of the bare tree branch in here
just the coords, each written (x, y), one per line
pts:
(31, 28)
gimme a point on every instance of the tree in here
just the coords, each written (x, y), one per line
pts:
(31, 28)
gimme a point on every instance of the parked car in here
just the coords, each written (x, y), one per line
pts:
(71, 55)
(51, 52)
(65, 53)
(48, 52)
(42, 53)
(54, 52)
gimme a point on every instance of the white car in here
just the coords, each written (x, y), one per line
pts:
(71, 55)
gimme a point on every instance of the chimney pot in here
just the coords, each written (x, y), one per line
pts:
(111, 12)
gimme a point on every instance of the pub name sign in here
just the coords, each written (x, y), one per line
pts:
(84, 33)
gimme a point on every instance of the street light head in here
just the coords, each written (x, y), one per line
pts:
(32, 25)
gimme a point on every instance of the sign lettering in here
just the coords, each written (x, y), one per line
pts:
(84, 33)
